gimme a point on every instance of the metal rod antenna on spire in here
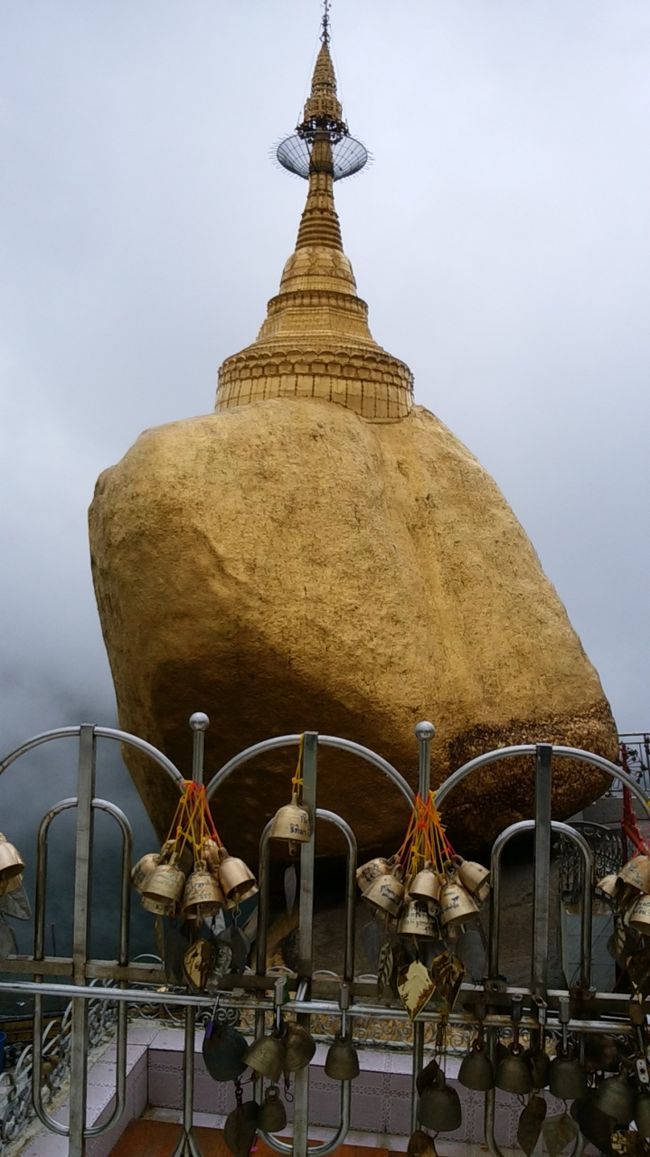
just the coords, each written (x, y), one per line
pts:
(325, 34)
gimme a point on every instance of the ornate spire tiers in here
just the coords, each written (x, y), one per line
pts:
(315, 341)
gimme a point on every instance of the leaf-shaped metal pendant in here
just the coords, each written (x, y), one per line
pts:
(16, 904)
(447, 972)
(415, 987)
(638, 970)
(8, 946)
(385, 968)
(175, 948)
(223, 1050)
(240, 1128)
(559, 1132)
(240, 949)
(470, 949)
(290, 888)
(530, 1124)
(198, 963)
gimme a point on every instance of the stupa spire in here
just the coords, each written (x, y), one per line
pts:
(315, 341)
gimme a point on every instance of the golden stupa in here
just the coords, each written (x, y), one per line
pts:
(321, 553)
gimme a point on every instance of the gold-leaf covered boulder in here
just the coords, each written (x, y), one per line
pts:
(322, 554)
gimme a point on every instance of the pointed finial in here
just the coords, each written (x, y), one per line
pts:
(325, 30)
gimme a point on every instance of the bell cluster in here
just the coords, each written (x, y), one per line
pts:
(629, 893)
(433, 900)
(175, 881)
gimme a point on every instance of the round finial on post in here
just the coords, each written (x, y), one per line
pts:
(199, 721)
(424, 730)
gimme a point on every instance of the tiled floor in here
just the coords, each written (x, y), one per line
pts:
(147, 1138)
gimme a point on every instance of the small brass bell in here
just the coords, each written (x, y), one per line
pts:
(166, 883)
(456, 904)
(476, 1070)
(158, 907)
(426, 885)
(292, 823)
(369, 872)
(234, 876)
(607, 886)
(342, 1061)
(11, 862)
(513, 1072)
(299, 1047)
(272, 1115)
(642, 1114)
(266, 1056)
(439, 1108)
(566, 1076)
(386, 893)
(475, 878)
(141, 871)
(635, 874)
(421, 1145)
(240, 1128)
(416, 920)
(211, 853)
(615, 1098)
(202, 895)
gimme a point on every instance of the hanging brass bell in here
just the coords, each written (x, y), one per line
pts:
(642, 1114)
(426, 885)
(158, 907)
(566, 1076)
(240, 1128)
(165, 883)
(607, 886)
(416, 920)
(421, 1145)
(386, 892)
(476, 1070)
(439, 1108)
(513, 1072)
(640, 916)
(211, 853)
(299, 1047)
(475, 878)
(11, 862)
(10, 885)
(141, 871)
(456, 904)
(615, 1098)
(369, 871)
(272, 1115)
(202, 896)
(266, 1056)
(292, 823)
(234, 876)
(342, 1061)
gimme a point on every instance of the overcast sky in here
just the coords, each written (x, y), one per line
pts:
(500, 237)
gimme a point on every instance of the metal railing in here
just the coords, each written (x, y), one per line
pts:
(346, 999)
